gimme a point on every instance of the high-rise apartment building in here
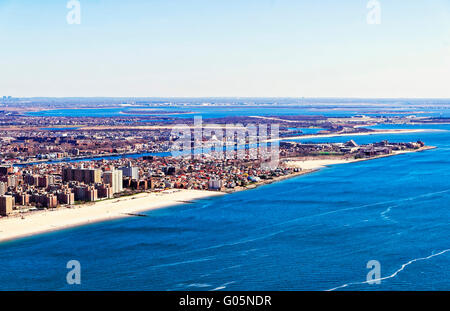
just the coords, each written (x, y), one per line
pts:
(130, 171)
(6, 205)
(85, 175)
(3, 187)
(114, 179)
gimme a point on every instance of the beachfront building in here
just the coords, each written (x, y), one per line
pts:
(114, 179)
(6, 205)
(85, 175)
(214, 184)
(130, 171)
(85, 193)
(3, 187)
(104, 191)
(66, 197)
(6, 169)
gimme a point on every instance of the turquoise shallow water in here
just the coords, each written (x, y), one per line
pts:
(313, 232)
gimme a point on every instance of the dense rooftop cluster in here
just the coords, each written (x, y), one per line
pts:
(49, 185)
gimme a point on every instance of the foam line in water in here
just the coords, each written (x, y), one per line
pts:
(356, 207)
(393, 275)
(384, 213)
(257, 238)
(223, 286)
(183, 262)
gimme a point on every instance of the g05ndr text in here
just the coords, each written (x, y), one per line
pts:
(247, 300)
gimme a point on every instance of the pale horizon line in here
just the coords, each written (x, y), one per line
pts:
(232, 97)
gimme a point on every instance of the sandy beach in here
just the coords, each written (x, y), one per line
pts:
(62, 218)
(311, 164)
(14, 227)
(315, 164)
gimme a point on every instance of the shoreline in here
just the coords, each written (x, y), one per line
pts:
(38, 222)
(400, 131)
(318, 164)
(310, 166)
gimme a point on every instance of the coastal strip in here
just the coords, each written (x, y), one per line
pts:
(32, 223)
(308, 166)
(318, 164)
(128, 154)
(338, 134)
(48, 220)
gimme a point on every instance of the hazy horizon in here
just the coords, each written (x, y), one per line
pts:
(268, 48)
(351, 99)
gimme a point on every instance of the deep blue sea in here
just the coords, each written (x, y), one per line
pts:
(313, 232)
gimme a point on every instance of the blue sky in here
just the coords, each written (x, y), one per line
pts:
(225, 48)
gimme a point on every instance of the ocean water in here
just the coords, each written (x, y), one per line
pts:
(111, 157)
(235, 111)
(307, 131)
(205, 112)
(313, 232)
